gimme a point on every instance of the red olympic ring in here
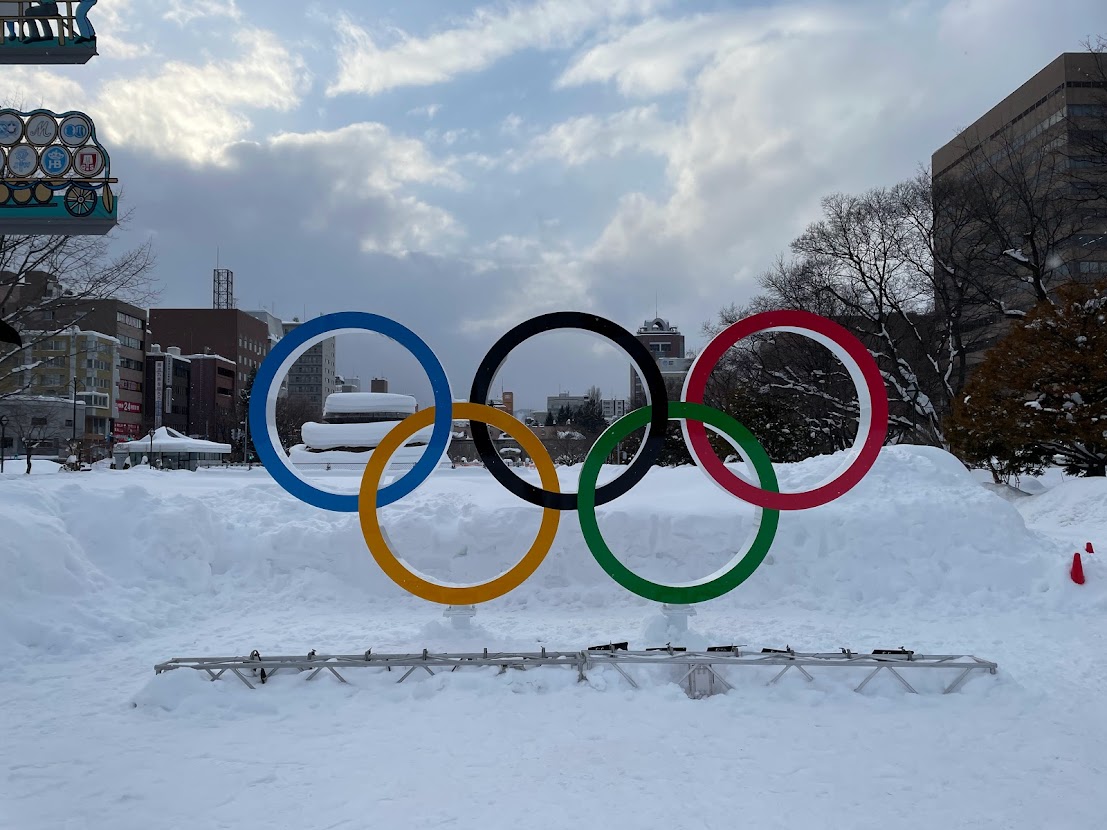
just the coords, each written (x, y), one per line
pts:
(872, 399)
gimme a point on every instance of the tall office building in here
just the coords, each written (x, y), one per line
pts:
(311, 377)
(666, 344)
(1043, 121)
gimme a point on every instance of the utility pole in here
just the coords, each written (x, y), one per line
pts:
(76, 449)
(3, 440)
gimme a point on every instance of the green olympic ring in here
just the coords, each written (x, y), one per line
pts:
(730, 575)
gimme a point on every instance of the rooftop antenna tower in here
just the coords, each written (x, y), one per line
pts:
(222, 288)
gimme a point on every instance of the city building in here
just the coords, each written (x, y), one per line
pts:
(228, 332)
(666, 344)
(272, 322)
(168, 384)
(378, 385)
(614, 408)
(125, 322)
(311, 377)
(211, 396)
(1045, 116)
(70, 363)
(505, 403)
(555, 403)
(349, 384)
(41, 423)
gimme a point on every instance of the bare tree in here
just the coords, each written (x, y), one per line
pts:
(34, 422)
(48, 283)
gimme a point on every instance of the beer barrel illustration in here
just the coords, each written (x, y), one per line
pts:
(5, 192)
(108, 197)
(43, 193)
(21, 195)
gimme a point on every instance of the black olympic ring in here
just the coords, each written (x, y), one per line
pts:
(658, 398)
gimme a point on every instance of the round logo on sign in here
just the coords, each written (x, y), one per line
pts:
(55, 161)
(11, 128)
(41, 129)
(22, 161)
(75, 130)
(88, 162)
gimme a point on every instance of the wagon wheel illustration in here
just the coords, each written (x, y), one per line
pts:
(80, 200)
(108, 198)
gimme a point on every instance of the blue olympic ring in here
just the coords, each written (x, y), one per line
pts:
(263, 407)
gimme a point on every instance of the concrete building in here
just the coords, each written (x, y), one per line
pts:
(66, 363)
(666, 344)
(378, 385)
(228, 332)
(311, 377)
(347, 383)
(554, 403)
(1044, 117)
(125, 322)
(211, 397)
(614, 408)
(168, 384)
(42, 422)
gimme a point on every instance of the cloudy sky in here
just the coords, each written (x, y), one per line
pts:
(461, 166)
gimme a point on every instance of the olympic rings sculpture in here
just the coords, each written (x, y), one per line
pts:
(695, 416)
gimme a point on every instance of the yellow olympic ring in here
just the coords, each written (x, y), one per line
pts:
(402, 574)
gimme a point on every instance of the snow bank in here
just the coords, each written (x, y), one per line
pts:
(115, 556)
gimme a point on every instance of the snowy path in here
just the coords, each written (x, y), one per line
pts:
(94, 594)
(1023, 749)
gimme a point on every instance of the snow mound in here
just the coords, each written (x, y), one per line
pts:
(119, 556)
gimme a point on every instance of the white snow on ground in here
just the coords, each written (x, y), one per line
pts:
(103, 574)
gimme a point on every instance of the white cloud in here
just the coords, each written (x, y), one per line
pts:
(587, 138)
(194, 112)
(487, 36)
(660, 55)
(364, 164)
(29, 89)
(429, 111)
(183, 12)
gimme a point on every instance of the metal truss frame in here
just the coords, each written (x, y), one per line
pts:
(701, 670)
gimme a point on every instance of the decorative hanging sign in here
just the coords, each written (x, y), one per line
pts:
(54, 175)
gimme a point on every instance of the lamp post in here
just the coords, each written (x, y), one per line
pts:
(150, 463)
(3, 440)
(76, 448)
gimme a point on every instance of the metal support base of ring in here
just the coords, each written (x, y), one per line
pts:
(700, 674)
(460, 615)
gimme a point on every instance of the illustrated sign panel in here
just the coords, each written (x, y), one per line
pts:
(54, 175)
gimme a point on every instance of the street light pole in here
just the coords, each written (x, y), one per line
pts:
(3, 440)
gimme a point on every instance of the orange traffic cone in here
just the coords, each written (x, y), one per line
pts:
(1077, 572)
(1088, 548)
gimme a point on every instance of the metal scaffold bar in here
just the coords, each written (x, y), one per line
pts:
(696, 664)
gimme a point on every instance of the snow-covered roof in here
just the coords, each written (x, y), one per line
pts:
(200, 356)
(169, 440)
(328, 436)
(355, 402)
